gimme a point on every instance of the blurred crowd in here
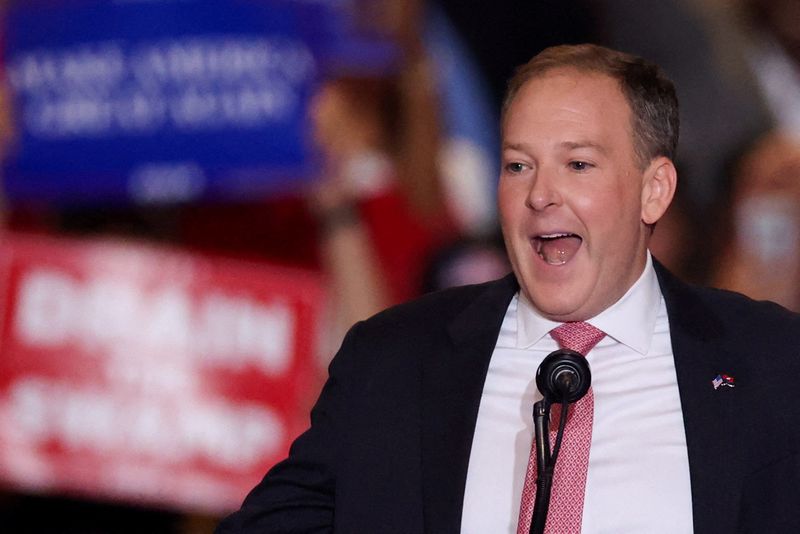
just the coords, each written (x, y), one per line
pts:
(403, 202)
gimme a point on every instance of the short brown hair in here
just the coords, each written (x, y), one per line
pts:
(650, 94)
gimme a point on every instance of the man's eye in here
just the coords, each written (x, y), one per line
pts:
(579, 165)
(515, 167)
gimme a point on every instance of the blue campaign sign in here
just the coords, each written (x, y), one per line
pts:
(160, 100)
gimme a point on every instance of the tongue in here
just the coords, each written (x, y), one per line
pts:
(560, 250)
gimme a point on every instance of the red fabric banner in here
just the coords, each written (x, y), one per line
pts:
(144, 374)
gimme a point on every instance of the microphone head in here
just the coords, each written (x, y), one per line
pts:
(564, 374)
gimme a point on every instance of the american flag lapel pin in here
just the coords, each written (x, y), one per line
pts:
(723, 381)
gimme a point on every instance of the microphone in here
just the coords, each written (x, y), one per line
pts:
(563, 377)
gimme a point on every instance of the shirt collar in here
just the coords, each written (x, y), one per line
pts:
(630, 321)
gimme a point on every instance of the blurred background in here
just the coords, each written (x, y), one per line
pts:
(199, 197)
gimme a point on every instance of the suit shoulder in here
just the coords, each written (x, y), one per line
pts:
(440, 307)
(746, 321)
(385, 351)
(744, 308)
(717, 309)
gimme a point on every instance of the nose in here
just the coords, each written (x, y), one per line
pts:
(542, 193)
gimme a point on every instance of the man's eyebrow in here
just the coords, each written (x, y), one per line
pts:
(568, 145)
(572, 145)
(515, 146)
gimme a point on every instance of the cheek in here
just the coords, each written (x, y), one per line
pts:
(510, 202)
(609, 217)
(597, 209)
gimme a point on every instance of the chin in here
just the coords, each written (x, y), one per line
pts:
(557, 306)
(564, 315)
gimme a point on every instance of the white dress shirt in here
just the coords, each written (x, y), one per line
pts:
(638, 478)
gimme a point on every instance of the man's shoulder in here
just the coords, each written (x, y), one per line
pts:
(444, 306)
(742, 308)
(385, 344)
(719, 313)
(704, 303)
(453, 312)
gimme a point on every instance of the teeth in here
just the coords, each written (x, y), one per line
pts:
(553, 236)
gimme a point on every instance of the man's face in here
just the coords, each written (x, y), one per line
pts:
(571, 195)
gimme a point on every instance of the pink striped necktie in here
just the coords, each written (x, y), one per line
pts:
(569, 480)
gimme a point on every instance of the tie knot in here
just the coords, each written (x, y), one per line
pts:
(578, 336)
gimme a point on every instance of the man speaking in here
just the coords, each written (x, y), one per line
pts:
(691, 422)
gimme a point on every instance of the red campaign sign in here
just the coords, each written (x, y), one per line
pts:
(144, 374)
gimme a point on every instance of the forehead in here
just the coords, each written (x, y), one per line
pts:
(569, 99)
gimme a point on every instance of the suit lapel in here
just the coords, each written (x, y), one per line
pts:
(452, 384)
(712, 418)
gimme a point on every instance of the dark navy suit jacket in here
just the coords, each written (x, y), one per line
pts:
(390, 436)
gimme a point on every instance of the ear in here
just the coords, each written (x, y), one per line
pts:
(660, 181)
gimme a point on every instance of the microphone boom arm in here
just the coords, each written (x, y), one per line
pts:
(564, 376)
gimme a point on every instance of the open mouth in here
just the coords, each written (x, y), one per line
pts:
(557, 249)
